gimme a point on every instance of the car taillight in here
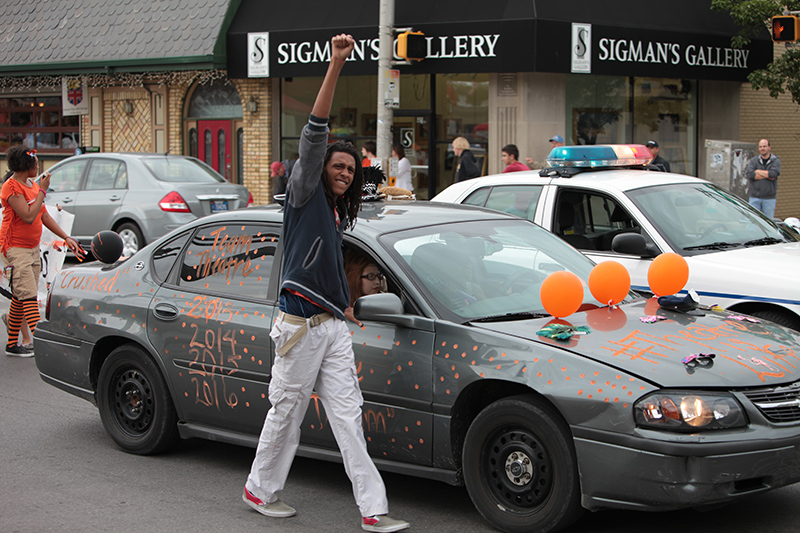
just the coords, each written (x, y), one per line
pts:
(174, 203)
(47, 305)
(250, 200)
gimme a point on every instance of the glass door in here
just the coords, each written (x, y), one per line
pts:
(215, 145)
(412, 132)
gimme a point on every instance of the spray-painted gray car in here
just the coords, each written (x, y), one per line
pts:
(458, 385)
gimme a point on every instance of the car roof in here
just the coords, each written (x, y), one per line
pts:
(621, 179)
(383, 216)
(133, 155)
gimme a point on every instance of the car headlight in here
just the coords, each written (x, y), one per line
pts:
(689, 411)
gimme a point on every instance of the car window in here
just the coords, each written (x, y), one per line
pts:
(692, 216)
(234, 259)
(472, 269)
(67, 177)
(121, 182)
(478, 197)
(181, 169)
(103, 174)
(519, 200)
(165, 255)
(590, 221)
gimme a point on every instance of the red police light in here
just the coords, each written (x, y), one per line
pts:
(412, 45)
(785, 28)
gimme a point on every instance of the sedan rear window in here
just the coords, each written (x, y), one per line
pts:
(181, 169)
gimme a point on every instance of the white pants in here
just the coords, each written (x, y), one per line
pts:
(322, 360)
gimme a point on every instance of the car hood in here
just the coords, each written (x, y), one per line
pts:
(746, 353)
(759, 271)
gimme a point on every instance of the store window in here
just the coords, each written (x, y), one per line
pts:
(462, 110)
(218, 99)
(618, 109)
(434, 110)
(37, 122)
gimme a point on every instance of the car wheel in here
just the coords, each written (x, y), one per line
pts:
(135, 405)
(132, 239)
(520, 467)
(784, 318)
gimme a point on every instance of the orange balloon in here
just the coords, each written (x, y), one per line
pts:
(609, 282)
(668, 274)
(561, 293)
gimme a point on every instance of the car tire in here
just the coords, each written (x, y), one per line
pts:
(134, 402)
(132, 238)
(520, 467)
(784, 318)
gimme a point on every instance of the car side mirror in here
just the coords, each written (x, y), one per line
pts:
(387, 307)
(633, 244)
(374, 306)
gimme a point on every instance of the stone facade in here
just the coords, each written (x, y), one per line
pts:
(127, 125)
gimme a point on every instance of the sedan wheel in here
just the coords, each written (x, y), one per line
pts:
(520, 467)
(132, 239)
(135, 405)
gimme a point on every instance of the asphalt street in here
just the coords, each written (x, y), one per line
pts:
(60, 472)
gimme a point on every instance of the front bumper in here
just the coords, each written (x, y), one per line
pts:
(681, 475)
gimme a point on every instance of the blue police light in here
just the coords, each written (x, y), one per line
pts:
(599, 155)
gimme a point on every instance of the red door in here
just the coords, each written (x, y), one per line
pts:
(215, 145)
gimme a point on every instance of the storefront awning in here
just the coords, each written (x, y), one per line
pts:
(681, 39)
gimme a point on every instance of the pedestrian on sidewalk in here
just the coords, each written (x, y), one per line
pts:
(313, 347)
(24, 213)
(762, 176)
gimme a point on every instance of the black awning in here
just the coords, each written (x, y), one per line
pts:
(680, 39)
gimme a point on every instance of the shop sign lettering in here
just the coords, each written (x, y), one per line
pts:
(633, 51)
(440, 47)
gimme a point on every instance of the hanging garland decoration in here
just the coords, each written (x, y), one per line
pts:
(122, 79)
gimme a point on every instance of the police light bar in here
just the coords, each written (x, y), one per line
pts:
(599, 155)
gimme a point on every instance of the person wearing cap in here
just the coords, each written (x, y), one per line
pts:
(277, 171)
(658, 161)
(555, 141)
(281, 170)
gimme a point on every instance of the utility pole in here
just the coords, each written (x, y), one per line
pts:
(386, 54)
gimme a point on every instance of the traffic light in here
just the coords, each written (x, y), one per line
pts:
(411, 45)
(785, 29)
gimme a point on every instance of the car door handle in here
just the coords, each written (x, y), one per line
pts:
(114, 198)
(66, 199)
(165, 312)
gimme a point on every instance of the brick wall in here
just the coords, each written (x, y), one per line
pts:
(257, 137)
(764, 117)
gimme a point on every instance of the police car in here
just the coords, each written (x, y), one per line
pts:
(605, 201)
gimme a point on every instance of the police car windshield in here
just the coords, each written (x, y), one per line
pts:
(703, 218)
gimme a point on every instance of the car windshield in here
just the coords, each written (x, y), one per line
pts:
(181, 169)
(472, 270)
(701, 217)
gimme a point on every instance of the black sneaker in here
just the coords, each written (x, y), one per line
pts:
(18, 351)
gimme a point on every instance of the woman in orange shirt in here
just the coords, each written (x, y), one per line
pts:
(23, 215)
